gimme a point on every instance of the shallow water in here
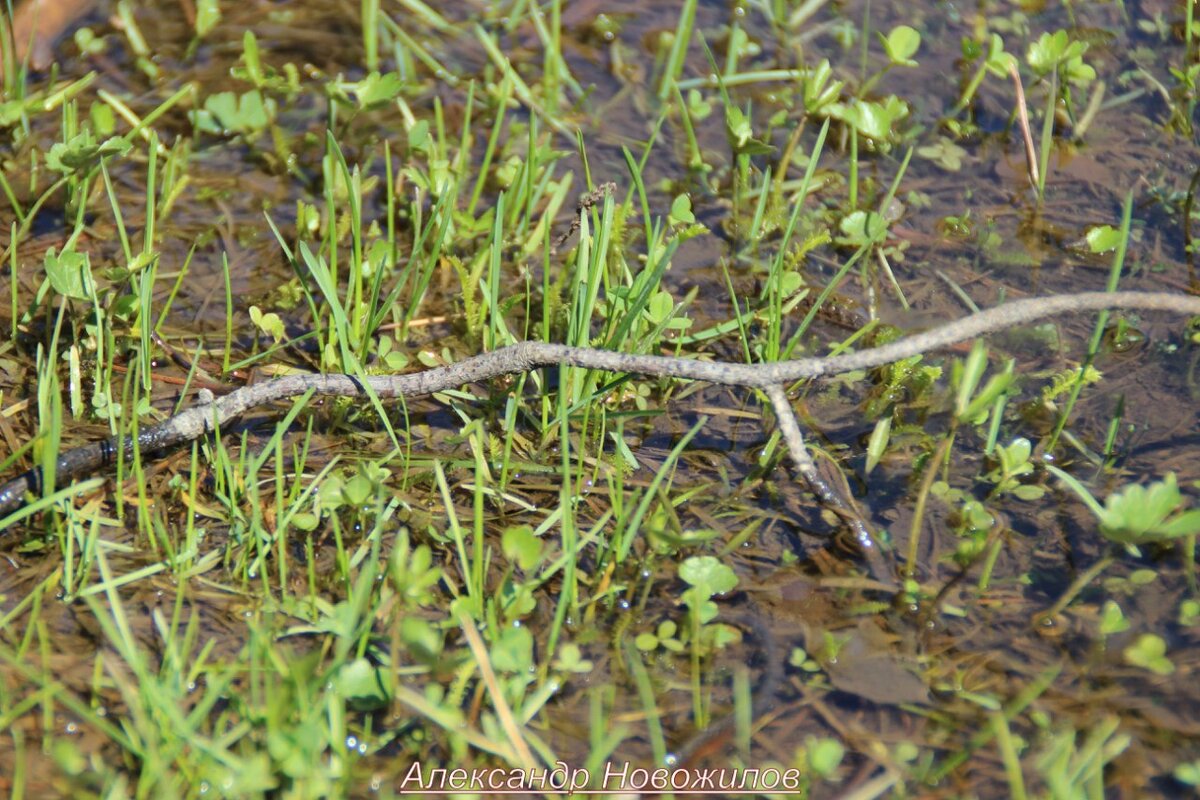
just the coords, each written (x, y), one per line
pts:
(886, 675)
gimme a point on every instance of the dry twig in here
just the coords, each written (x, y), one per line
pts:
(771, 378)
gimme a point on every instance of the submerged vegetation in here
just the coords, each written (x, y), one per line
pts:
(570, 566)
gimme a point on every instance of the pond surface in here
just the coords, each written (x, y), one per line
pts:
(1011, 648)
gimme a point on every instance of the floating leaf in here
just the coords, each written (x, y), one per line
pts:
(268, 323)
(208, 14)
(361, 684)
(945, 153)
(1112, 619)
(1058, 51)
(227, 113)
(376, 90)
(681, 211)
(698, 107)
(819, 93)
(874, 120)
(1140, 514)
(741, 134)
(708, 572)
(570, 659)
(861, 227)
(998, 62)
(520, 544)
(824, 754)
(513, 651)
(1103, 239)
(1150, 652)
(901, 44)
(70, 274)
(81, 152)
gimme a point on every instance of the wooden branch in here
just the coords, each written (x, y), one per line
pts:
(203, 418)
